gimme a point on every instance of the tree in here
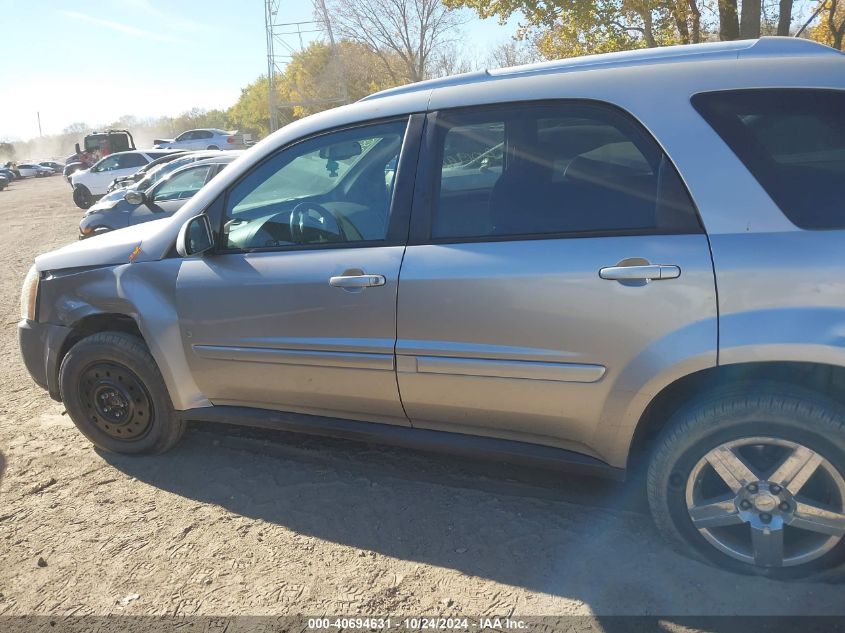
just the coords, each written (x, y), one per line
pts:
(831, 27)
(77, 128)
(749, 25)
(7, 151)
(408, 31)
(513, 53)
(251, 112)
(311, 83)
(784, 17)
(565, 28)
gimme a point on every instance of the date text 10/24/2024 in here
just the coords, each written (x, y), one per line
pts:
(418, 623)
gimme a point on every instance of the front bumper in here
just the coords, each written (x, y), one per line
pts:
(41, 344)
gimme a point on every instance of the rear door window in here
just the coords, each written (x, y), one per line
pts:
(553, 169)
(792, 142)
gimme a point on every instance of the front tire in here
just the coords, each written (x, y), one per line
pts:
(115, 395)
(753, 480)
(82, 197)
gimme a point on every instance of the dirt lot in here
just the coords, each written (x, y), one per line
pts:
(235, 522)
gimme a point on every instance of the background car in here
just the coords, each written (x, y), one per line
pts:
(210, 138)
(51, 164)
(90, 184)
(3, 182)
(161, 200)
(9, 174)
(153, 175)
(128, 181)
(32, 170)
(97, 145)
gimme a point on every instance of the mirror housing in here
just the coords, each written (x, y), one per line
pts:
(195, 237)
(134, 196)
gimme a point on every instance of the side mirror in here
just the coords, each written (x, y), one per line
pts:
(195, 237)
(135, 197)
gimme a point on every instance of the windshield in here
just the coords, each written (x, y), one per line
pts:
(306, 175)
(160, 171)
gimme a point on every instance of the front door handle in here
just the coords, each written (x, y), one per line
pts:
(640, 273)
(357, 281)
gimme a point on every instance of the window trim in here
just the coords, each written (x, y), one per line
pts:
(428, 178)
(400, 204)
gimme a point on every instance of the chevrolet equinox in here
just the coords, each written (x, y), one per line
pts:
(611, 263)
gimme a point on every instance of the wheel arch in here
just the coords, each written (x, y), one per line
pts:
(136, 299)
(822, 378)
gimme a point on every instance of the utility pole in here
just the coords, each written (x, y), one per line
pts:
(286, 39)
(271, 8)
(39, 124)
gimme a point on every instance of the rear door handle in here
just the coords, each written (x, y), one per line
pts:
(640, 273)
(357, 281)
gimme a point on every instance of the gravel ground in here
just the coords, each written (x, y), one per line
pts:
(246, 522)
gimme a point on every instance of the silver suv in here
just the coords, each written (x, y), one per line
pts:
(622, 263)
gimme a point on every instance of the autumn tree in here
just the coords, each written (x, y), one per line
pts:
(410, 32)
(565, 28)
(311, 84)
(831, 27)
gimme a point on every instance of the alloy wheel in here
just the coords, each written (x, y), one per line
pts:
(767, 501)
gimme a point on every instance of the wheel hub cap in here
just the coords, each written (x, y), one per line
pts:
(767, 501)
(116, 400)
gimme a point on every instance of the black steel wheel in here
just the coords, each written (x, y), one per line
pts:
(117, 401)
(82, 198)
(115, 395)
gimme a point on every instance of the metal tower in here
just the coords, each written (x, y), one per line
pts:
(284, 40)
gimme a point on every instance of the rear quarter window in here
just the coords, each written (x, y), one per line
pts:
(793, 142)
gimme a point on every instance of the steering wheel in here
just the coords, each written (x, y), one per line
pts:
(320, 222)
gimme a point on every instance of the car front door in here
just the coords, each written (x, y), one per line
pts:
(555, 258)
(296, 309)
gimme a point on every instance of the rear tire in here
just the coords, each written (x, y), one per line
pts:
(752, 479)
(82, 197)
(115, 395)
(212, 147)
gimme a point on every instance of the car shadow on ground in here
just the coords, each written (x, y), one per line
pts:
(559, 534)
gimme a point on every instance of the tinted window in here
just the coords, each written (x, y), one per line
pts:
(553, 169)
(333, 188)
(126, 161)
(793, 142)
(203, 134)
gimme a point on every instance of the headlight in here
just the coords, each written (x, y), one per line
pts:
(29, 294)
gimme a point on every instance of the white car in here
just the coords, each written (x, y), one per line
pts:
(208, 138)
(89, 184)
(31, 170)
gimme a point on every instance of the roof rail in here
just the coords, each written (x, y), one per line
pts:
(763, 47)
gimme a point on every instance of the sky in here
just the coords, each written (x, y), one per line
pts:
(94, 61)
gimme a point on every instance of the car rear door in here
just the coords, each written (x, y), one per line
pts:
(555, 258)
(296, 310)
